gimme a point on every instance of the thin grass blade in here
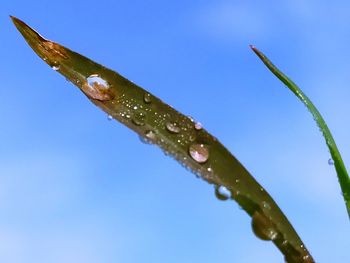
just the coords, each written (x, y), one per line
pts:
(342, 173)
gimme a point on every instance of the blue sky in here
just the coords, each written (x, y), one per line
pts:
(75, 187)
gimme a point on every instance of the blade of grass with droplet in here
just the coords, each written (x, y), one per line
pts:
(178, 135)
(342, 173)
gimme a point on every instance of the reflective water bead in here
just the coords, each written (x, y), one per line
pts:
(95, 79)
(56, 67)
(150, 134)
(266, 205)
(222, 193)
(139, 118)
(198, 126)
(147, 98)
(330, 161)
(199, 152)
(97, 88)
(172, 127)
(263, 228)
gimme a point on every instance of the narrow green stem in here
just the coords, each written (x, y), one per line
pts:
(342, 173)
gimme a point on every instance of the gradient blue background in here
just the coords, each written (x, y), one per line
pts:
(75, 187)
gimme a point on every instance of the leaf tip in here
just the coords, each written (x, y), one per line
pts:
(256, 51)
(18, 23)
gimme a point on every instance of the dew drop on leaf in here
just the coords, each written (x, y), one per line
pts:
(222, 193)
(266, 205)
(199, 152)
(55, 67)
(149, 137)
(198, 126)
(147, 98)
(172, 127)
(263, 227)
(139, 118)
(97, 88)
(95, 79)
(150, 134)
(330, 161)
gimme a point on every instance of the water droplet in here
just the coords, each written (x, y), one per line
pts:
(199, 152)
(266, 205)
(222, 193)
(110, 117)
(263, 228)
(139, 118)
(198, 126)
(209, 169)
(330, 161)
(173, 127)
(149, 137)
(147, 98)
(56, 67)
(95, 79)
(97, 88)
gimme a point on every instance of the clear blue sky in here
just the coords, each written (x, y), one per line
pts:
(75, 187)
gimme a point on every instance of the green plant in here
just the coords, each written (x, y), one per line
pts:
(342, 173)
(178, 135)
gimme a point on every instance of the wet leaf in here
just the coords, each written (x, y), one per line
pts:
(178, 135)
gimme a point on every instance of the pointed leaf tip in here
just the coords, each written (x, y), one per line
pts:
(18, 23)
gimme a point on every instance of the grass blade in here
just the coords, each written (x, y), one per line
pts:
(342, 173)
(176, 134)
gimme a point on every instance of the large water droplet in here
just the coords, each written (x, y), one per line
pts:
(173, 127)
(139, 118)
(263, 228)
(147, 98)
(95, 79)
(222, 193)
(97, 88)
(110, 117)
(199, 152)
(330, 161)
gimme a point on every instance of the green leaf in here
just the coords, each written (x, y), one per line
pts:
(343, 176)
(178, 136)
